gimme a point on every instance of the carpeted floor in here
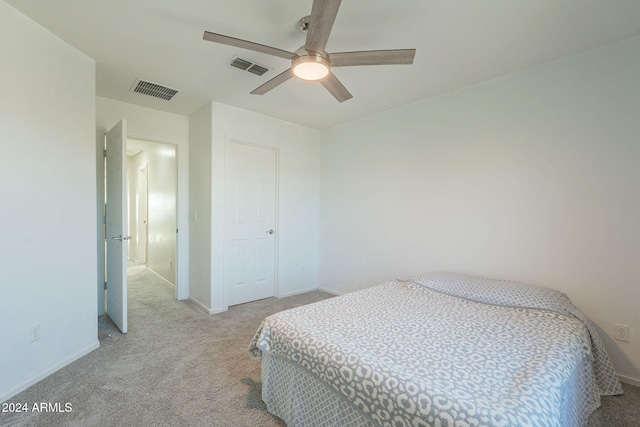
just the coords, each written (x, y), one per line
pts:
(179, 366)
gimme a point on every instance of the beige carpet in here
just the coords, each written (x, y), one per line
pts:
(179, 366)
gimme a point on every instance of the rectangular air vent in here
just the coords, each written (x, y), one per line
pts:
(153, 89)
(257, 69)
(249, 66)
(241, 63)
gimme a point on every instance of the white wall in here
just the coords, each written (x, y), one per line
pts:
(298, 209)
(530, 177)
(48, 210)
(200, 164)
(158, 126)
(160, 161)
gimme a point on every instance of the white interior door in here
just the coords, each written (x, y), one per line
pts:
(250, 226)
(116, 225)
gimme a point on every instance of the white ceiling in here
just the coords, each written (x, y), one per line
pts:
(459, 43)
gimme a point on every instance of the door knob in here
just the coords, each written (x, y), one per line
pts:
(269, 231)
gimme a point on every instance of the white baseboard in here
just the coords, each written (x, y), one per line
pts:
(629, 380)
(161, 278)
(42, 375)
(200, 305)
(205, 308)
(331, 291)
(298, 292)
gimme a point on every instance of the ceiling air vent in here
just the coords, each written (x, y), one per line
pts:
(257, 69)
(153, 89)
(249, 66)
(240, 63)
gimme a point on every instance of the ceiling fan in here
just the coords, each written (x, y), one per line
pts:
(311, 61)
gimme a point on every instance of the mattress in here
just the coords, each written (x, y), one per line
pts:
(438, 349)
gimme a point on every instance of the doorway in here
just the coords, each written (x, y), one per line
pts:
(179, 262)
(152, 196)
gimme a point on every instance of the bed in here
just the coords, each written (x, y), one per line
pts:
(440, 349)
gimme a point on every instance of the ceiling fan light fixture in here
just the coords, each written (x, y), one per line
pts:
(312, 62)
(310, 67)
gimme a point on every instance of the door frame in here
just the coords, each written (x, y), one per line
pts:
(142, 228)
(182, 211)
(276, 220)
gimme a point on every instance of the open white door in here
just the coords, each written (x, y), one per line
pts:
(116, 221)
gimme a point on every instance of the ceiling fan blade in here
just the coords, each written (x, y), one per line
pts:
(323, 14)
(372, 57)
(333, 85)
(244, 44)
(277, 80)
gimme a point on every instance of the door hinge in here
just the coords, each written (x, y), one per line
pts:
(105, 286)
(104, 152)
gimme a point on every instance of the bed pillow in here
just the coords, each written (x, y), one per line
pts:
(493, 291)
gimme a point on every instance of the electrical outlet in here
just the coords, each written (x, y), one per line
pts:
(34, 334)
(621, 332)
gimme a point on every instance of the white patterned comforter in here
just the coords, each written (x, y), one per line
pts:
(449, 349)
